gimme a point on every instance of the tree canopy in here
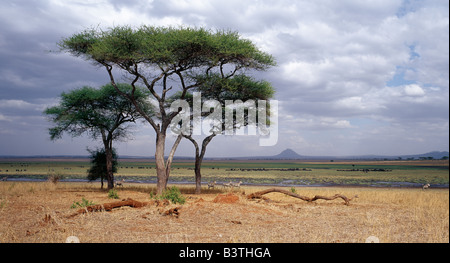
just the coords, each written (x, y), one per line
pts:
(177, 49)
(95, 111)
(241, 92)
(101, 113)
(164, 58)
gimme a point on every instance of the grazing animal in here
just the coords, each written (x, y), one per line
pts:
(425, 186)
(211, 184)
(238, 185)
(120, 183)
(227, 184)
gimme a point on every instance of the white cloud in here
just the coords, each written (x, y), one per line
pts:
(15, 104)
(3, 118)
(356, 103)
(414, 90)
(23, 105)
(293, 124)
(15, 78)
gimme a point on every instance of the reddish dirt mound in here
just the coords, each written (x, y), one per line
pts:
(226, 199)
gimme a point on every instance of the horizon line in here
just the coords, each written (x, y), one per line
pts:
(298, 157)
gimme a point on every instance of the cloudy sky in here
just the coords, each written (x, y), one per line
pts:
(353, 77)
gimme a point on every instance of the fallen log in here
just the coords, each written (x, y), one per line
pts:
(109, 206)
(259, 195)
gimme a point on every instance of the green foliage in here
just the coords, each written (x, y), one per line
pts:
(113, 194)
(184, 46)
(101, 113)
(174, 195)
(83, 203)
(213, 62)
(238, 87)
(98, 164)
(293, 190)
(96, 111)
(80, 43)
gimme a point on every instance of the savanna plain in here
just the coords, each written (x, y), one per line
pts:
(47, 212)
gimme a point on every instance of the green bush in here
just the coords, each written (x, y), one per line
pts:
(174, 195)
(293, 190)
(113, 194)
(83, 203)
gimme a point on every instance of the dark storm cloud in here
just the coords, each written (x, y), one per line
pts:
(336, 64)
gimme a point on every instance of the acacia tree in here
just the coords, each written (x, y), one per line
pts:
(163, 58)
(101, 113)
(224, 91)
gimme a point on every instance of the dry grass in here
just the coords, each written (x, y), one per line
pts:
(38, 212)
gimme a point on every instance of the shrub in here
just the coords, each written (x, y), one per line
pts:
(98, 165)
(113, 194)
(174, 195)
(54, 178)
(83, 203)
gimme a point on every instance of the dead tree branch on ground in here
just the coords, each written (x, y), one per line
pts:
(126, 202)
(259, 195)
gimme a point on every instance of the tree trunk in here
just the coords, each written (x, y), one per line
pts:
(109, 163)
(161, 172)
(170, 157)
(163, 167)
(198, 175)
(199, 159)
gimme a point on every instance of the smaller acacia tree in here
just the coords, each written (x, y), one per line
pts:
(101, 113)
(224, 92)
(98, 165)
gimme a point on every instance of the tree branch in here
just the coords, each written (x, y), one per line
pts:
(197, 150)
(172, 154)
(205, 143)
(259, 195)
(131, 98)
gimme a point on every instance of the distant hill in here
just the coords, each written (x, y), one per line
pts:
(434, 155)
(287, 154)
(290, 154)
